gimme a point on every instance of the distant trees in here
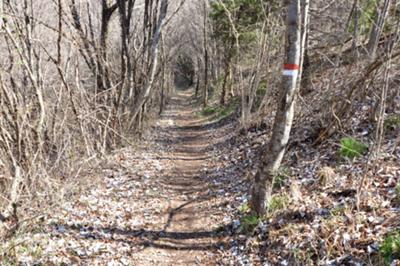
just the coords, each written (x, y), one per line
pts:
(234, 22)
(185, 68)
(145, 92)
(378, 27)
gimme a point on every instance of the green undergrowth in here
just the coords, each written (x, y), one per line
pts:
(366, 16)
(352, 148)
(218, 111)
(244, 208)
(390, 248)
(281, 177)
(392, 122)
(17, 248)
(259, 95)
(249, 221)
(278, 202)
(338, 210)
(397, 190)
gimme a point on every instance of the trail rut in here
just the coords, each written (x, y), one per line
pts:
(158, 204)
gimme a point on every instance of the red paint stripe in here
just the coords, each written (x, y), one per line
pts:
(291, 67)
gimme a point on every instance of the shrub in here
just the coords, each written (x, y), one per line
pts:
(390, 248)
(244, 208)
(278, 202)
(260, 93)
(338, 210)
(221, 111)
(366, 16)
(397, 190)
(392, 122)
(351, 148)
(281, 177)
(248, 223)
(209, 110)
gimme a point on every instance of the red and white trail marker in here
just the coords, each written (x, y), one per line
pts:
(291, 70)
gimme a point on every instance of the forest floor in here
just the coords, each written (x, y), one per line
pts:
(161, 203)
(179, 197)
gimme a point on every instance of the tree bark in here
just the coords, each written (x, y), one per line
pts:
(142, 98)
(272, 158)
(1, 14)
(304, 71)
(103, 76)
(377, 28)
(228, 60)
(356, 18)
(205, 44)
(163, 67)
(126, 75)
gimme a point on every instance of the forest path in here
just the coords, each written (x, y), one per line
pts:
(189, 214)
(162, 203)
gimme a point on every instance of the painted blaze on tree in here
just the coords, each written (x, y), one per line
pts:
(272, 158)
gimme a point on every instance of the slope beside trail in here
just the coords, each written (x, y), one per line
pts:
(165, 202)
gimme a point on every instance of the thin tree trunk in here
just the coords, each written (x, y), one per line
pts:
(1, 14)
(248, 96)
(377, 28)
(227, 73)
(164, 66)
(125, 87)
(86, 50)
(304, 71)
(272, 158)
(103, 77)
(198, 77)
(356, 24)
(142, 98)
(205, 44)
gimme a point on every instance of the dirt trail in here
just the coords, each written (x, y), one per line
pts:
(189, 235)
(162, 203)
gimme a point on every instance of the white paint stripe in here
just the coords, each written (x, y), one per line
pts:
(292, 73)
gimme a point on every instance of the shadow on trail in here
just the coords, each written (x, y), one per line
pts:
(191, 199)
(202, 123)
(150, 238)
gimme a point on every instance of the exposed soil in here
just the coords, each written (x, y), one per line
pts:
(179, 197)
(163, 203)
(188, 219)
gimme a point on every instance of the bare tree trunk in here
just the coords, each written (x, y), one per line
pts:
(198, 77)
(145, 93)
(305, 5)
(356, 24)
(1, 14)
(205, 44)
(125, 87)
(103, 77)
(95, 65)
(272, 158)
(227, 74)
(377, 28)
(163, 68)
(248, 95)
